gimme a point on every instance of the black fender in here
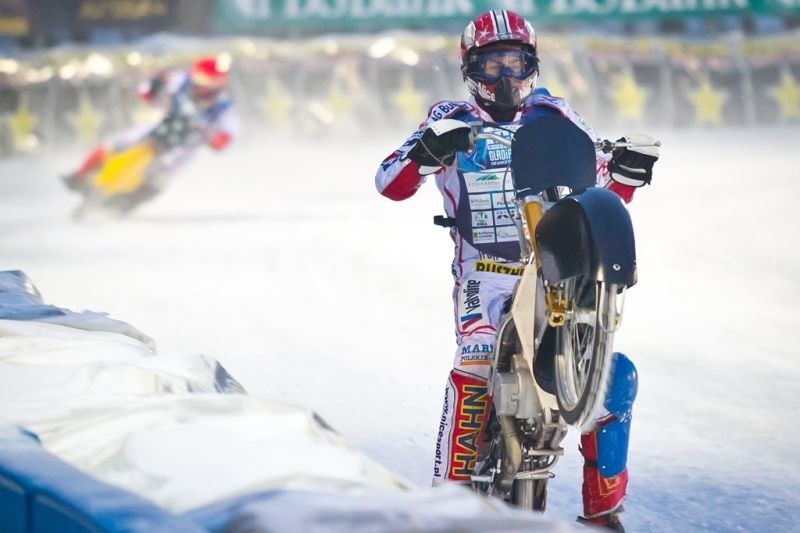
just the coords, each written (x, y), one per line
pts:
(588, 233)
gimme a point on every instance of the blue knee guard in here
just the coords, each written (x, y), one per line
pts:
(612, 438)
(622, 389)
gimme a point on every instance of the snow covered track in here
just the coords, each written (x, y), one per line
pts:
(237, 249)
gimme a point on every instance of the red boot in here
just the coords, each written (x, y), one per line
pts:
(77, 180)
(602, 495)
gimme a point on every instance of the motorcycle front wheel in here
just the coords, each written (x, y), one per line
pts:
(584, 348)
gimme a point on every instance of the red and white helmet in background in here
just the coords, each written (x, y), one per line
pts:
(499, 59)
(208, 77)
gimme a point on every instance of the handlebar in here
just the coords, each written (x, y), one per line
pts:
(604, 145)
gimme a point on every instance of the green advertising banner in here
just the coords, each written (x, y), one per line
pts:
(360, 15)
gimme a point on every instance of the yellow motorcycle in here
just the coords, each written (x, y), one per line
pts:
(122, 180)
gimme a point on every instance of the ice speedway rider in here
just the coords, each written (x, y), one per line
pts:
(500, 66)
(199, 94)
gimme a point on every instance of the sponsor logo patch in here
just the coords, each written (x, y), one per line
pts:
(481, 219)
(488, 266)
(483, 235)
(477, 348)
(504, 200)
(479, 182)
(475, 354)
(472, 312)
(503, 218)
(445, 109)
(470, 412)
(480, 201)
(507, 233)
(473, 360)
(437, 464)
(498, 155)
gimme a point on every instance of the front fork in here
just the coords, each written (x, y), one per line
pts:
(530, 428)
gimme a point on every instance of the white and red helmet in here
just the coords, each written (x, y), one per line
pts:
(208, 77)
(496, 79)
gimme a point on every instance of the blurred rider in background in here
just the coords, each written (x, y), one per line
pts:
(198, 111)
(500, 66)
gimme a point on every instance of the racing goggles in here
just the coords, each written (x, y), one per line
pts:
(203, 92)
(489, 66)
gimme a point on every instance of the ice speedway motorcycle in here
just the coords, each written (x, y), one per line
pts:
(132, 175)
(553, 354)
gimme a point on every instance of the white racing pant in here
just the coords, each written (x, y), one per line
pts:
(479, 299)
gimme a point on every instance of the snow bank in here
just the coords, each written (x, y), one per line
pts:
(180, 432)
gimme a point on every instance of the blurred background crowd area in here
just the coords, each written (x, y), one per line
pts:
(69, 69)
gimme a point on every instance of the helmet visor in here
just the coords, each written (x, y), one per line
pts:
(203, 92)
(489, 66)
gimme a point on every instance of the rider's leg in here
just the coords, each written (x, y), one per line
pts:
(479, 300)
(605, 448)
(90, 163)
(93, 160)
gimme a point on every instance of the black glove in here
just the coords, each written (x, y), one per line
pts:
(435, 150)
(634, 166)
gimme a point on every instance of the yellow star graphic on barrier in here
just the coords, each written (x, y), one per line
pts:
(277, 105)
(339, 102)
(86, 121)
(22, 124)
(628, 97)
(708, 103)
(409, 100)
(555, 87)
(787, 94)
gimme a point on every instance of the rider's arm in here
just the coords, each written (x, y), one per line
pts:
(223, 130)
(623, 191)
(631, 165)
(399, 177)
(149, 90)
(604, 180)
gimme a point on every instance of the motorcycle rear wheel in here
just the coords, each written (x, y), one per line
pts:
(584, 348)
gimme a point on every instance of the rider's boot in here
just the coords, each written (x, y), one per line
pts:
(606, 521)
(125, 203)
(605, 450)
(77, 181)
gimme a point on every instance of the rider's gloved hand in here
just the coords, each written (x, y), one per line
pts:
(633, 166)
(439, 143)
(150, 89)
(219, 140)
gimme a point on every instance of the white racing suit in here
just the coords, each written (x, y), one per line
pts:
(215, 124)
(477, 191)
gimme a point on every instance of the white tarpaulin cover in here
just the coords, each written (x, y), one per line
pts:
(178, 430)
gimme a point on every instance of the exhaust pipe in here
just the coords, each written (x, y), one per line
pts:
(513, 457)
